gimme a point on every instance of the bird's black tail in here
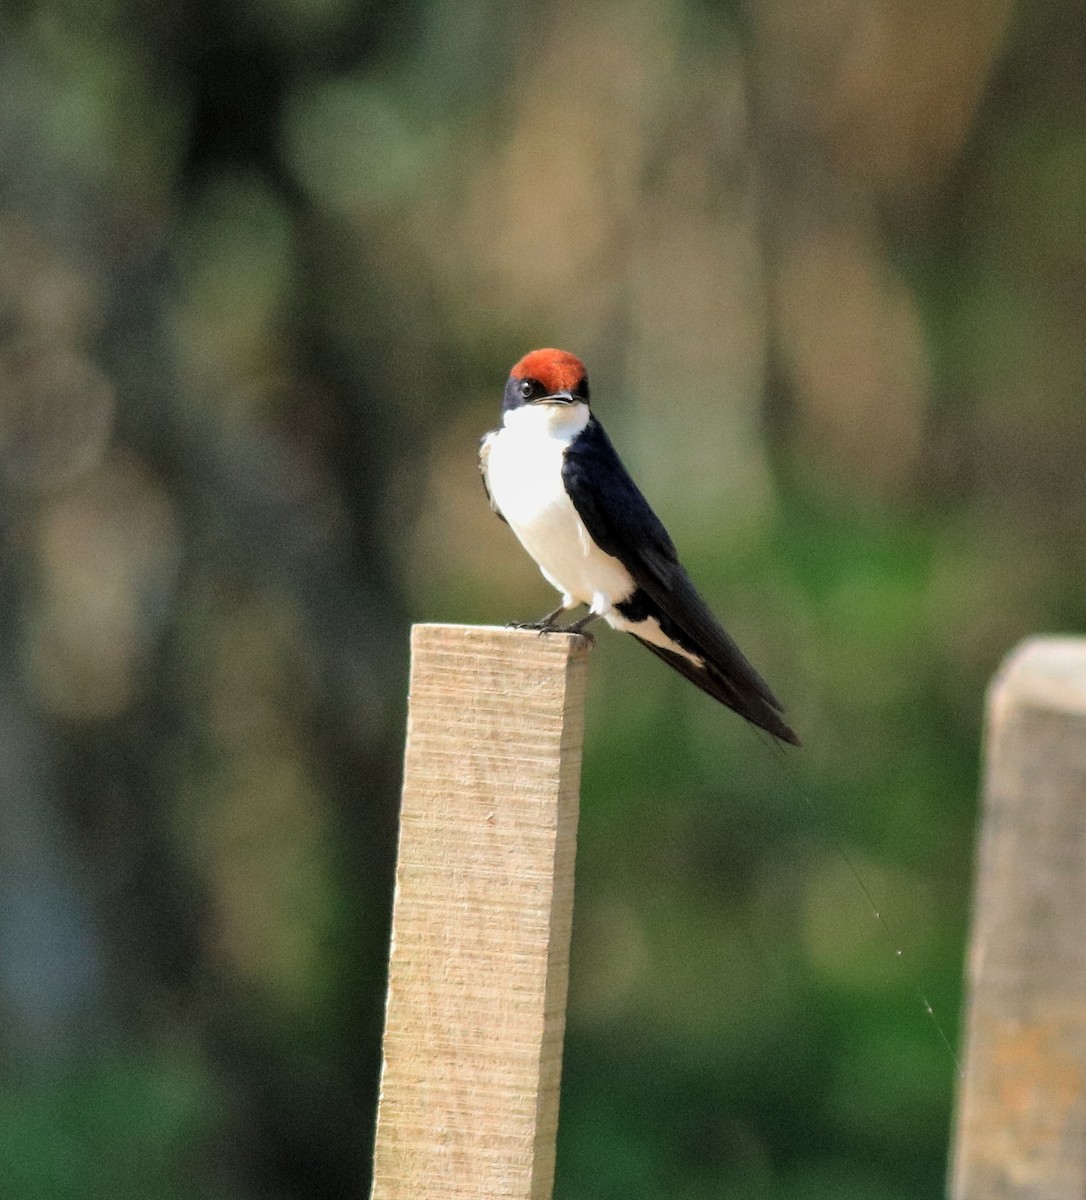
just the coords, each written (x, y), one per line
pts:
(746, 700)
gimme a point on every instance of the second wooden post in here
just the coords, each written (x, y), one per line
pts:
(1021, 1121)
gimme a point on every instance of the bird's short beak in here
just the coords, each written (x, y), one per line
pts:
(556, 398)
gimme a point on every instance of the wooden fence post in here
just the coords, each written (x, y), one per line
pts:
(1021, 1116)
(481, 922)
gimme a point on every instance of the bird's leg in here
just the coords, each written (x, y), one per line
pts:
(544, 624)
(579, 626)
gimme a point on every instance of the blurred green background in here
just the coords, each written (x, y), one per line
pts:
(263, 269)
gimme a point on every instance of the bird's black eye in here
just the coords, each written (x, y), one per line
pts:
(526, 388)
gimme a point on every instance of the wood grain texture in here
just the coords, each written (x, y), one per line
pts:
(1021, 1118)
(483, 908)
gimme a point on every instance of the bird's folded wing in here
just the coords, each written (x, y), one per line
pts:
(484, 459)
(621, 522)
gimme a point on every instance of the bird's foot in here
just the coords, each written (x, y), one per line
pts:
(578, 627)
(543, 627)
(544, 624)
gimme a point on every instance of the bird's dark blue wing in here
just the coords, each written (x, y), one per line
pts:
(621, 522)
(613, 509)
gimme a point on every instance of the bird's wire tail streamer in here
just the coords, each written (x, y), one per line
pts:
(802, 793)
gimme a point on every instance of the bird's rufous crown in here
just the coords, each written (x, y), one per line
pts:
(556, 370)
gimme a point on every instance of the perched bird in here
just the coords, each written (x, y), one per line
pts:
(553, 476)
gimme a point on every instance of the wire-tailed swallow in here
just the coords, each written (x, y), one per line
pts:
(552, 474)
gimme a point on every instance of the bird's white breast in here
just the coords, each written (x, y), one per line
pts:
(524, 475)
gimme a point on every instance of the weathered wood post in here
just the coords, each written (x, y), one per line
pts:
(481, 921)
(1021, 1117)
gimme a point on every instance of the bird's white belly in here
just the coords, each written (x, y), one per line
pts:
(525, 478)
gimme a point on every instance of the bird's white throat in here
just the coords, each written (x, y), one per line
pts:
(559, 421)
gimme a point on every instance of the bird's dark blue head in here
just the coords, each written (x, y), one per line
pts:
(546, 377)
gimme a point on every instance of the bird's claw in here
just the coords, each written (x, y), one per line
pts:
(542, 627)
